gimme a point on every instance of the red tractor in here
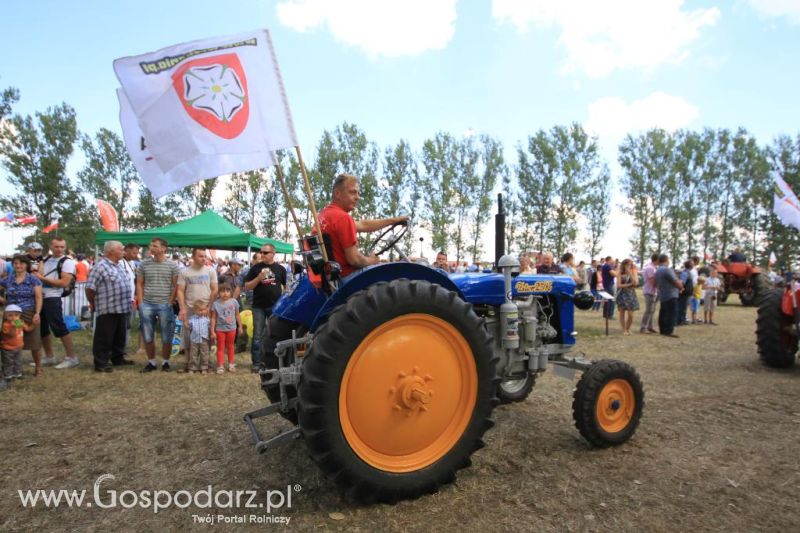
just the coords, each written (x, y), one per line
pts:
(743, 279)
(778, 327)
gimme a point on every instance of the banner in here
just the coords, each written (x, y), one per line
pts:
(217, 104)
(8, 217)
(786, 207)
(108, 216)
(198, 168)
(30, 219)
(772, 258)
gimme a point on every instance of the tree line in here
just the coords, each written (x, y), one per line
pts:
(687, 192)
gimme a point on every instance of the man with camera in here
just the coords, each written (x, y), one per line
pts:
(267, 280)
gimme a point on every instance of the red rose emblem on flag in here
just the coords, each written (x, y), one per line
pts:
(213, 91)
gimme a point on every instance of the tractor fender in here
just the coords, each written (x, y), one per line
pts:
(384, 272)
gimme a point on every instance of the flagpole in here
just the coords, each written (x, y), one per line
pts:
(311, 203)
(279, 173)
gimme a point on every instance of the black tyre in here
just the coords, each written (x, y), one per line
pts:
(515, 390)
(722, 297)
(607, 403)
(775, 335)
(397, 390)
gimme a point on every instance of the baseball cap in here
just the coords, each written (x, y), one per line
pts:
(34, 246)
(13, 309)
(234, 261)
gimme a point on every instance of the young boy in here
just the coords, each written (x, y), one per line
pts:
(712, 287)
(11, 344)
(199, 335)
(697, 295)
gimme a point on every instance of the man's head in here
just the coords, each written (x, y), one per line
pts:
(58, 246)
(35, 249)
(609, 260)
(131, 251)
(524, 260)
(546, 259)
(158, 247)
(198, 258)
(654, 259)
(268, 254)
(345, 191)
(235, 265)
(113, 250)
(568, 258)
(441, 260)
(663, 259)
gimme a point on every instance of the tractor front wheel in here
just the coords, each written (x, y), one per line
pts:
(516, 390)
(608, 402)
(775, 334)
(397, 390)
(760, 287)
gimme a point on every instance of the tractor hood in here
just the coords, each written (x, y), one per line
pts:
(488, 289)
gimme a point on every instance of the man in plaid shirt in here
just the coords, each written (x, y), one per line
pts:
(109, 293)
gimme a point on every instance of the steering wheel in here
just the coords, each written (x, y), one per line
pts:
(388, 239)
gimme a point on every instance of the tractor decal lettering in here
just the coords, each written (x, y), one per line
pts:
(539, 286)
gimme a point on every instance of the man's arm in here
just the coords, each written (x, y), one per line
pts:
(181, 301)
(90, 294)
(139, 288)
(249, 285)
(366, 226)
(358, 260)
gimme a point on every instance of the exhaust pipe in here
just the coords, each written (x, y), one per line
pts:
(499, 233)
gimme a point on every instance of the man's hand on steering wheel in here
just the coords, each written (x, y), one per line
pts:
(389, 237)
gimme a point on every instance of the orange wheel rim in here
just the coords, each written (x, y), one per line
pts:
(408, 393)
(615, 405)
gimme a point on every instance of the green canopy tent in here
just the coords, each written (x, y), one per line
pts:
(206, 230)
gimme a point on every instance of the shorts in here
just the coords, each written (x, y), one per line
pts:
(710, 303)
(32, 339)
(695, 304)
(148, 314)
(52, 318)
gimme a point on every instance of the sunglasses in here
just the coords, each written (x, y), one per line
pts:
(267, 252)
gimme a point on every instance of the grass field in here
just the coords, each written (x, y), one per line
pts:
(716, 450)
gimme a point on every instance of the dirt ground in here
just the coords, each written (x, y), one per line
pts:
(716, 450)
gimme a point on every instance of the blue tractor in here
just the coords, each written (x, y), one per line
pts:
(391, 375)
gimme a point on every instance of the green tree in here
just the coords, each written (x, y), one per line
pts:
(399, 193)
(154, 213)
(537, 174)
(109, 173)
(35, 154)
(492, 167)
(436, 183)
(8, 98)
(465, 185)
(596, 211)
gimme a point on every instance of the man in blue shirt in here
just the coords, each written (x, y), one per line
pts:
(669, 287)
(608, 274)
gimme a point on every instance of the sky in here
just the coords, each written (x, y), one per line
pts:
(408, 69)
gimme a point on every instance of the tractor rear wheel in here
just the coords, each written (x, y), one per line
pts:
(515, 390)
(776, 339)
(607, 403)
(397, 390)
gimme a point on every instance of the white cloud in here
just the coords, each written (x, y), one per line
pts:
(603, 36)
(778, 8)
(388, 28)
(611, 118)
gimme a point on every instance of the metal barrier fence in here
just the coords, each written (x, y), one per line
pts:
(75, 302)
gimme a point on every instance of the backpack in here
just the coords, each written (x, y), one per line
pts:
(69, 288)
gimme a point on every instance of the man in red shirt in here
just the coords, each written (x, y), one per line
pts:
(336, 222)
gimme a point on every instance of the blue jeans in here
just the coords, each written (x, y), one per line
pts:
(260, 332)
(148, 314)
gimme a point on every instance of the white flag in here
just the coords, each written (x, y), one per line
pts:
(215, 97)
(201, 166)
(786, 206)
(772, 258)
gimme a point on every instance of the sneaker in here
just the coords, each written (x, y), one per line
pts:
(17, 376)
(165, 366)
(149, 367)
(220, 370)
(68, 362)
(232, 367)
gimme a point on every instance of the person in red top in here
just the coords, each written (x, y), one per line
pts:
(81, 269)
(335, 221)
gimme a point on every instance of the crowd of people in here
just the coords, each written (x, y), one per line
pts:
(196, 302)
(199, 296)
